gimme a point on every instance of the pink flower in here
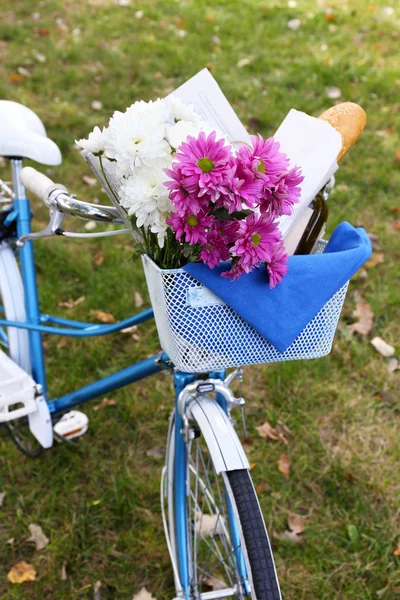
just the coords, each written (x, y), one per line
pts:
(277, 266)
(204, 164)
(242, 188)
(182, 200)
(215, 249)
(256, 237)
(228, 230)
(264, 160)
(280, 199)
(235, 272)
(190, 228)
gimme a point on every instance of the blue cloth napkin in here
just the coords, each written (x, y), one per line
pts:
(282, 313)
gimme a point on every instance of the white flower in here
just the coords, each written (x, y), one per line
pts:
(178, 133)
(145, 197)
(95, 142)
(181, 111)
(135, 139)
(156, 111)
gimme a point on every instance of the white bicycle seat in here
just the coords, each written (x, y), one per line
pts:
(22, 135)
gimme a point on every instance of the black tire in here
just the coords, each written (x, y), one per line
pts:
(20, 434)
(256, 542)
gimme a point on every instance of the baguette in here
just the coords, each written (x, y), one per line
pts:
(349, 120)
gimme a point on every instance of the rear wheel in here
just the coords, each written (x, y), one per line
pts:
(15, 342)
(228, 550)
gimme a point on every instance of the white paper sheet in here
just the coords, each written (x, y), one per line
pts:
(208, 99)
(313, 145)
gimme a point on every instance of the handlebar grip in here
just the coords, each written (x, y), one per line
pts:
(36, 182)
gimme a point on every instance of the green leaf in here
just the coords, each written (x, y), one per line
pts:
(354, 537)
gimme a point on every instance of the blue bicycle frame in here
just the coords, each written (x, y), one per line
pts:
(21, 214)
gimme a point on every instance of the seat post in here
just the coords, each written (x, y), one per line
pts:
(27, 262)
(18, 188)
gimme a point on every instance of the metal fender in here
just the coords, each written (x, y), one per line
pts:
(222, 441)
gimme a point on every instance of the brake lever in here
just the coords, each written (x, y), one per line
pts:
(53, 228)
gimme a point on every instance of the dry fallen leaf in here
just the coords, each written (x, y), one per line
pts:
(71, 303)
(393, 365)
(296, 523)
(21, 572)
(289, 536)
(396, 552)
(157, 452)
(133, 330)
(284, 465)
(90, 181)
(333, 92)
(105, 402)
(99, 259)
(15, 78)
(262, 487)
(96, 591)
(396, 226)
(63, 342)
(37, 536)
(398, 155)
(365, 317)
(103, 317)
(383, 348)
(64, 572)
(294, 24)
(138, 300)
(214, 583)
(2, 496)
(209, 525)
(266, 431)
(376, 259)
(143, 594)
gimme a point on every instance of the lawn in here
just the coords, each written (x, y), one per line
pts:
(74, 62)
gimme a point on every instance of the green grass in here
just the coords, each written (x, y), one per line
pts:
(98, 502)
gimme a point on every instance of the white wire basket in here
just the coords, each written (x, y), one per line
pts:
(200, 333)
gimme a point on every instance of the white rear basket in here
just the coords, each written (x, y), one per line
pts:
(200, 333)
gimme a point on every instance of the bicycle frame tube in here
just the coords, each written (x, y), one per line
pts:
(27, 261)
(133, 373)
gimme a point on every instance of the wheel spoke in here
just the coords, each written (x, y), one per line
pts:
(210, 545)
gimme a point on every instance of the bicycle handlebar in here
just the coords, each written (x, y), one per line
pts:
(37, 183)
(55, 195)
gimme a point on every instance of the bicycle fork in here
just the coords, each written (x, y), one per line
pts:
(228, 456)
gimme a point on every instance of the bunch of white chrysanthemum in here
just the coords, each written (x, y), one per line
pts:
(142, 142)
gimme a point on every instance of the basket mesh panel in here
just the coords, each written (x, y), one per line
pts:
(205, 338)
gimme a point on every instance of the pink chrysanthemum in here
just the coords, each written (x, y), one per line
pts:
(190, 228)
(228, 230)
(215, 249)
(277, 266)
(242, 188)
(235, 271)
(182, 200)
(280, 199)
(257, 235)
(264, 160)
(204, 163)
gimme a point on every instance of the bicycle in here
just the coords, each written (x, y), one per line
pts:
(212, 519)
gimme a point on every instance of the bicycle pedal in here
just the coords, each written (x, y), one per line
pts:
(71, 425)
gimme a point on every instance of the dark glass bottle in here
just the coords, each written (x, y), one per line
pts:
(315, 227)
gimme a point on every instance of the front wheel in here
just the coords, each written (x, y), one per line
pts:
(225, 547)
